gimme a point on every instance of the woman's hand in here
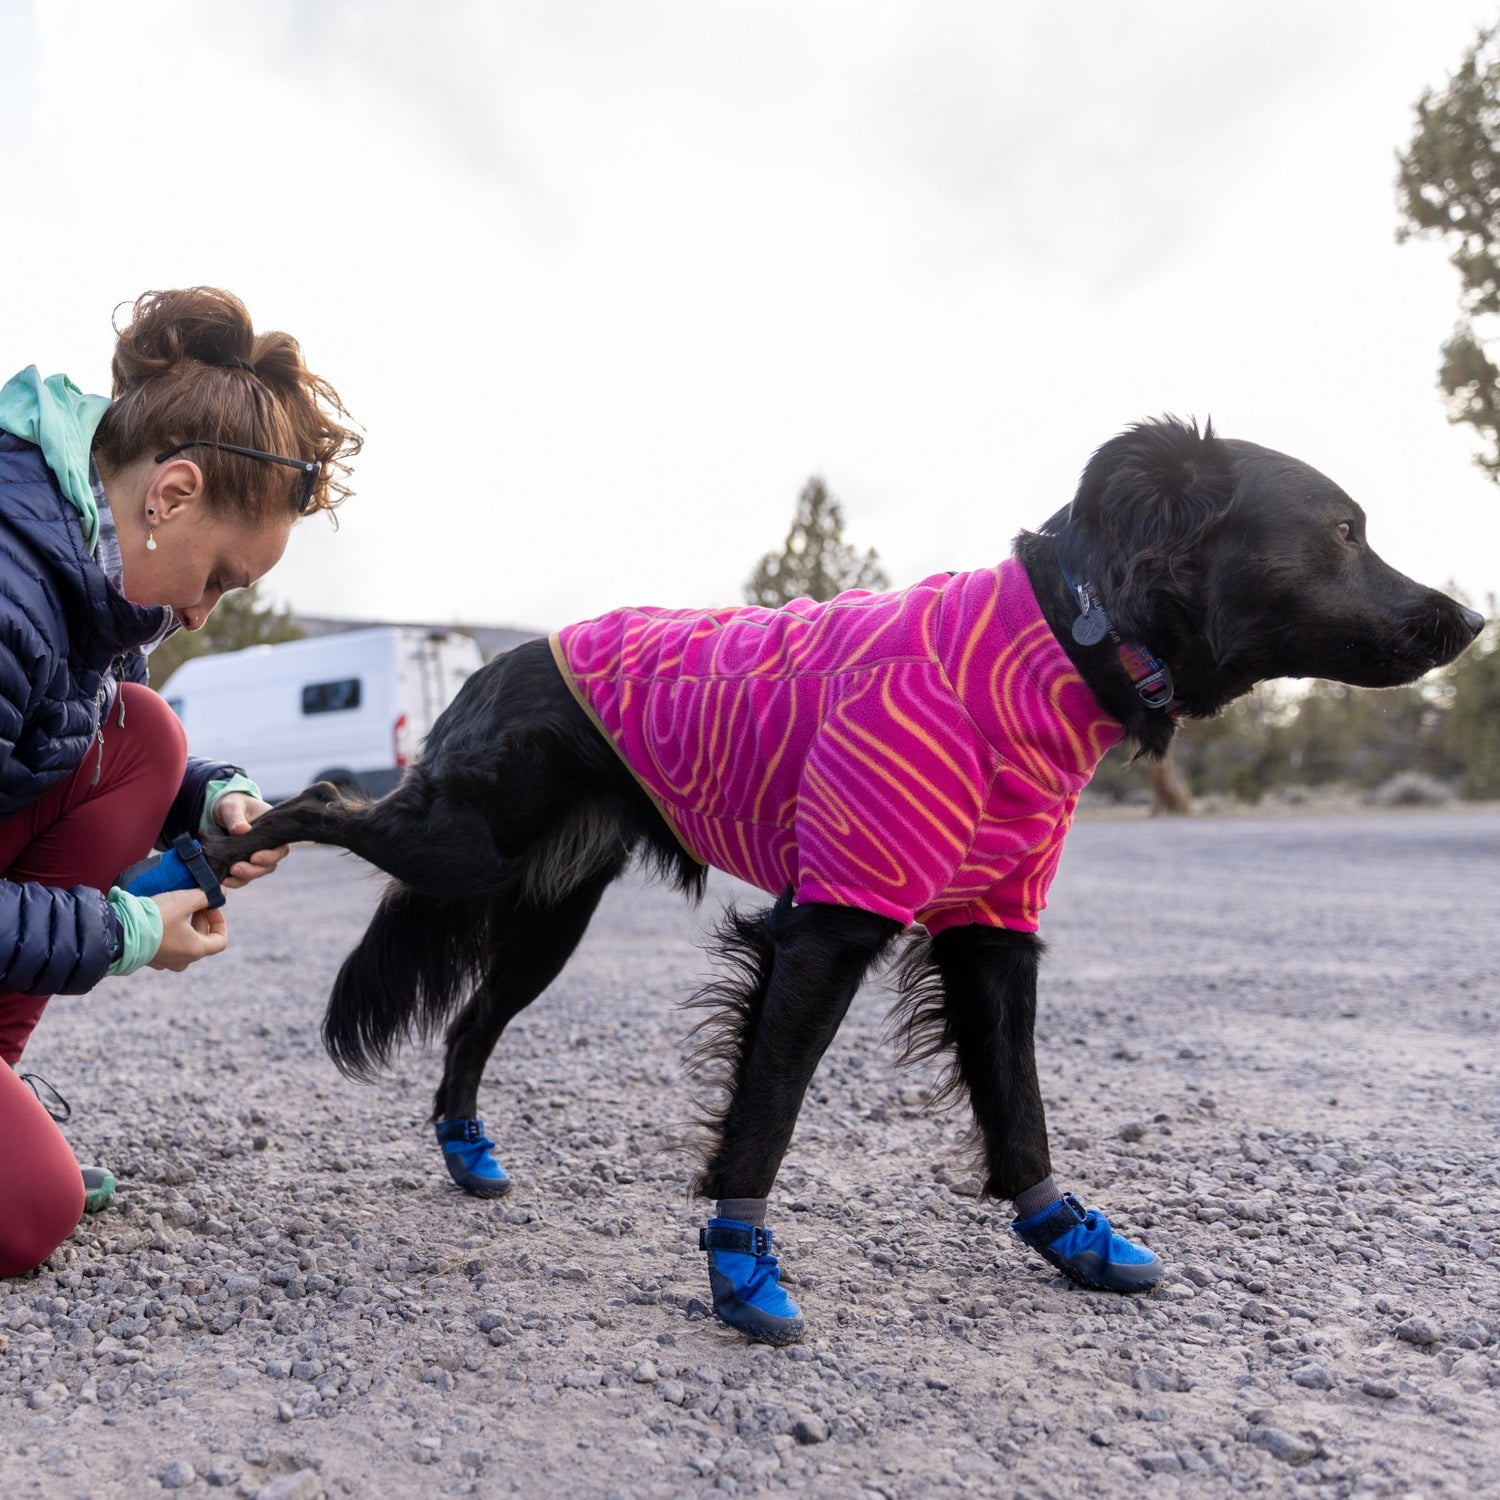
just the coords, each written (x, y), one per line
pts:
(234, 813)
(190, 930)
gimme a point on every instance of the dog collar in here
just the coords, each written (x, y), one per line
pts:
(1150, 674)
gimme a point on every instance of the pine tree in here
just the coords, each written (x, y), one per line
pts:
(816, 562)
(1449, 186)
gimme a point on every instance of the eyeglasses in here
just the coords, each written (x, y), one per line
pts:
(309, 468)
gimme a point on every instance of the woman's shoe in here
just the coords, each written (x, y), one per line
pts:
(98, 1189)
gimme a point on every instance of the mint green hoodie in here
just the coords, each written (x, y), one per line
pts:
(56, 416)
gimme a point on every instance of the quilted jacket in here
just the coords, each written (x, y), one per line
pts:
(66, 636)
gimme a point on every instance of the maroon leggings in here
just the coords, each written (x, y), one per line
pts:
(82, 832)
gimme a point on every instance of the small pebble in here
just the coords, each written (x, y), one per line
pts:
(1418, 1330)
(1286, 1446)
(303, 1485)
(810, 1429)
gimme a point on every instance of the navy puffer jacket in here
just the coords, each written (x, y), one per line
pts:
(65, 632)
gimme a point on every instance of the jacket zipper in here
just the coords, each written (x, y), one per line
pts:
(101, 713)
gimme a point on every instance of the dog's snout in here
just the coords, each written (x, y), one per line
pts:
(1473, 620)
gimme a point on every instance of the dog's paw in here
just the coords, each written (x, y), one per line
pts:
(1083, 1246)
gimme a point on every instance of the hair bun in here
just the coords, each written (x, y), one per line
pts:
(165, 328)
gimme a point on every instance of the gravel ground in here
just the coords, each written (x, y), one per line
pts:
(1267, 1047)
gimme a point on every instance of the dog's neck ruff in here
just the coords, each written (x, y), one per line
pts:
(1150, 674)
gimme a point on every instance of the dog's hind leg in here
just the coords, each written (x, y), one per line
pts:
(512, 766)
(797, 970)
(529, 947)
(973, 989)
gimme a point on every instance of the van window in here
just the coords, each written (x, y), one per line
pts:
(330, 697)
(175, 704)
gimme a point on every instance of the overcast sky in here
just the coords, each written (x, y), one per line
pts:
(605, 282)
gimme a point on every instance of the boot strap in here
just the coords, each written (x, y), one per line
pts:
(753, 1239)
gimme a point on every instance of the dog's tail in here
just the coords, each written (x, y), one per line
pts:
(416, 962)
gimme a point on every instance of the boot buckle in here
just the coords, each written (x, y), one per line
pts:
(748, 1239)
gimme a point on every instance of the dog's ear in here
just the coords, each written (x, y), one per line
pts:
(1145, 500)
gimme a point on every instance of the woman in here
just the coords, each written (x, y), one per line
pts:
(121, 521)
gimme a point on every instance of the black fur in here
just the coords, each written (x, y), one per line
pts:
(793, 971)
(971, 992)
(1233, 563)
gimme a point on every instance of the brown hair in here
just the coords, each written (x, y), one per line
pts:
(181, 374)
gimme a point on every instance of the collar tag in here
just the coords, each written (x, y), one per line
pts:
(1150, 674)
(1092, 624)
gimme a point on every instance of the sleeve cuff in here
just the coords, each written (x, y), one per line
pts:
(140, 929)
(214, 792)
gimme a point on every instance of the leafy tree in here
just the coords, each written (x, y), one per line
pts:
(239, 619)
(1449, 189)
(1473, 714)
(816, 562)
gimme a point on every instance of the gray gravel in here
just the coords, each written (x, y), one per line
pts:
(1267, 1047)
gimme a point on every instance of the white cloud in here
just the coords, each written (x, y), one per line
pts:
(605, 282)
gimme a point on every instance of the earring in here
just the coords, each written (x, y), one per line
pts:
(151, 535)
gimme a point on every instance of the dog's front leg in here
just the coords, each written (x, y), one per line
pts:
(984, 1007)
(796, 970)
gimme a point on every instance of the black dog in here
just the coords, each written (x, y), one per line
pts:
(1186, 570)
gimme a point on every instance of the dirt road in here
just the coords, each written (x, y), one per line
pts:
(1268, 1046)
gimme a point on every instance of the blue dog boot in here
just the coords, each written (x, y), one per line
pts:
(179, 868)
(1082, 1246)
(470, 1156)
(745, 1279)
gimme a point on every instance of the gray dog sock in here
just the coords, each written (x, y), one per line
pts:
(746, 1210)
(1035, 1199)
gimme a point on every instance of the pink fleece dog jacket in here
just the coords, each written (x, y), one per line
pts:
(918, 754)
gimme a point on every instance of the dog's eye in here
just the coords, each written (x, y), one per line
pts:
(1346, 531)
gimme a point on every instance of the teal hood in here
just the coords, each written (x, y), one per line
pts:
(56, 416)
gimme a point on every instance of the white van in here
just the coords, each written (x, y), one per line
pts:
(349, 708)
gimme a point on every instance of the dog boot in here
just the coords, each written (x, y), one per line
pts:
(745, 1279)
(1082, 1246)
(470, 1156)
